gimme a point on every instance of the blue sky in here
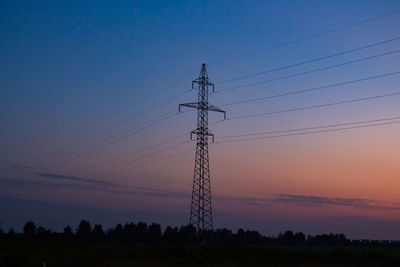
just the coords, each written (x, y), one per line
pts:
(67, 67)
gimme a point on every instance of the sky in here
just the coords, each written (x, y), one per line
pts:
(90, 129)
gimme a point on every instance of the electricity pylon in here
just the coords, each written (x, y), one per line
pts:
(201, 209)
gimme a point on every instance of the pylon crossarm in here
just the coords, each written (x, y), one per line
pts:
(202, 81)
(216, 109)
(196, 132)
(211, 134)
(189, 105)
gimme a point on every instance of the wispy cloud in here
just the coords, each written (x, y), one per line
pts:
(254, 201)
(74, 178)
(88, 184)
(336, 201)
(313, 201)
(81, 183)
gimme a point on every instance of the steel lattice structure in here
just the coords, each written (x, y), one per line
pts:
(201, 208)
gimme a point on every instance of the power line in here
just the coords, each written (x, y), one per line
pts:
(309, 128)
(159, 91)
(142, 157)
(354, 100)
(311, 89)
(115, 140)
(309, 71)
(131, 153)
(153, 161)
(166, 157)
(313, 36)
(285, 44)
(122, 137)
(139, 114)
(308, 61)
(98, 142)
(376, 122)
(79, 141)
(114, 126)
(172, 98)
(137, 151)
(262, 114)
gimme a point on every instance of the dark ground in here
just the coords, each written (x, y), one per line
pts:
(75, 253)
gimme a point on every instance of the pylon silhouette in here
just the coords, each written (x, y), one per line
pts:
(201, 209)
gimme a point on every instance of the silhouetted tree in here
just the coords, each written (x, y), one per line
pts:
(118, 228)
(300, 238)
(290, 238)
(11, 233)
(67, 234)
(171, 234)
(187, 233)
(141, 231)
(118, 232)
(110, 233)
(129, 231)
(154, 232)
(84, 229)
(29, 230)
(240, 235)
(331, 239)
(98, 232)
(224, 235)
(253, 237)
(286, 236)
(42, 233)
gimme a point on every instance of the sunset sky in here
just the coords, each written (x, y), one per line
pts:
(89, 94)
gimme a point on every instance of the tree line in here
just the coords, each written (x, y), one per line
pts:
(142, 232)
(152, 233)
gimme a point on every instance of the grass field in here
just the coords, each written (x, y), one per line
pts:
(74, 253)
